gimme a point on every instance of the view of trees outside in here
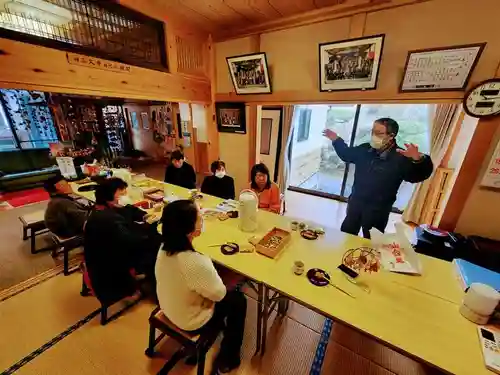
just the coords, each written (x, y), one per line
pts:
(414, 127)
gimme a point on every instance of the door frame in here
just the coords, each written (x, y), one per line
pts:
(279, 145)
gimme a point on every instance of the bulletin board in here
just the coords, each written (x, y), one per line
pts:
(445, 68)
(491, 178)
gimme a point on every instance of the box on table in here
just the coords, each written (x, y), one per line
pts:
(273, 242)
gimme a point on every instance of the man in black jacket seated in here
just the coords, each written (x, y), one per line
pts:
(381, 167)
(219, 184)
(180, 172)
(117, 241)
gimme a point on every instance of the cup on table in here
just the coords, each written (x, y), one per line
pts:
(298, 267)
(294, 225)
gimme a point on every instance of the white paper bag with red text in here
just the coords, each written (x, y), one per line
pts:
(396, 252)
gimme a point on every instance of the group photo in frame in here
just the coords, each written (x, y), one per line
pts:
(231, 118)
(249, 74)
(351, 64)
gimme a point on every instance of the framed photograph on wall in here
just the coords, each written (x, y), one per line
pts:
(249, 74)
(351, 64)
(145, 120)
(440, 69)
(231, 117)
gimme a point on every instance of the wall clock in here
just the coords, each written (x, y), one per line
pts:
(483, 100)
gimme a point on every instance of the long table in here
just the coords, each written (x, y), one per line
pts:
(415, 315)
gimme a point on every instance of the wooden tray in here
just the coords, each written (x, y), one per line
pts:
(263, 247)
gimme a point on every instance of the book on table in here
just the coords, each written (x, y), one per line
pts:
(468, 273)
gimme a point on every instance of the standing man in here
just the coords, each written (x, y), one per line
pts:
(381, 167)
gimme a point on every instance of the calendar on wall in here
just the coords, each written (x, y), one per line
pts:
(491, 178)
(437, 69)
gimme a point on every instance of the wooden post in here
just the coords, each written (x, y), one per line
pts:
(469, 171)
(212, 132)
(252, 113)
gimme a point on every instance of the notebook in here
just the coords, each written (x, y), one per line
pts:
(469, 273)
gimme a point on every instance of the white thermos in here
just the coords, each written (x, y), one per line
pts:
(249, 203)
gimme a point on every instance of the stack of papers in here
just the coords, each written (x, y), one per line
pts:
(228, 205)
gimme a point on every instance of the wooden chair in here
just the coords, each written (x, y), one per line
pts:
(88, 291)
(64, 246)
(33, 225)
(191, 344)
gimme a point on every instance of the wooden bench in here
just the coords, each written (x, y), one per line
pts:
(33, 225)
(64, 246)
(192, 344)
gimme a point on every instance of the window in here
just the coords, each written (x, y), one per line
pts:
(316, 167)
(304, 124)
(25, 120)
(101, 29)
(7, 140)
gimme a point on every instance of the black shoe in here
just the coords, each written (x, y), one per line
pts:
(191, 360)
(225, 365)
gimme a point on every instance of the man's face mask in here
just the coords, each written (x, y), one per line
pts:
(377, 142)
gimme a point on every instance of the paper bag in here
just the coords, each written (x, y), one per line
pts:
(396, 252)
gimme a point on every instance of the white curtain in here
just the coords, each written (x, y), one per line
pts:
(284, 162)
(443, 123)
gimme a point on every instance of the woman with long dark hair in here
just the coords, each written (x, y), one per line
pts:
(267, 191)
(115, 244)
(189, 289)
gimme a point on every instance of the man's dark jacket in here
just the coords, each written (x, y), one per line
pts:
(378, 175)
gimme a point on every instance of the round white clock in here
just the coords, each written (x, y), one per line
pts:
(483, 100)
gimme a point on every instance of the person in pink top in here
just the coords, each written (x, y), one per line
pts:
(267, 191)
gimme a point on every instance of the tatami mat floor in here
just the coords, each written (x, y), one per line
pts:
(32, 318)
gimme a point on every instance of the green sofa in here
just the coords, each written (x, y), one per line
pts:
(25, 169)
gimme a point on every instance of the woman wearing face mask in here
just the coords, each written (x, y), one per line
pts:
(190, 291)
(267, 191)
(219, 184)
(114, 244)
(381, 167)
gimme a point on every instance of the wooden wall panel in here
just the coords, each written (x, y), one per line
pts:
(38, 68)
(293, 53)
(190, 54)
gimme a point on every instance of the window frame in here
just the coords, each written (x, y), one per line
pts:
(112, 7)
(304, 126)
(18, 144)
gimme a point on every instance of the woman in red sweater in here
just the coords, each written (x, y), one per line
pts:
(267, 191)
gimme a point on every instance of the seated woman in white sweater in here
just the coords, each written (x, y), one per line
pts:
(190, 291)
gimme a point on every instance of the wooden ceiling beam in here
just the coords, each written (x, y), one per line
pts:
(348, 8)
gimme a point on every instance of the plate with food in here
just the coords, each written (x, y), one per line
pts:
(309, 234)
(318, 277)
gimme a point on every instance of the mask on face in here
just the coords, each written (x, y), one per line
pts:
(220, 174)
(124, 200)
(377, 142)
